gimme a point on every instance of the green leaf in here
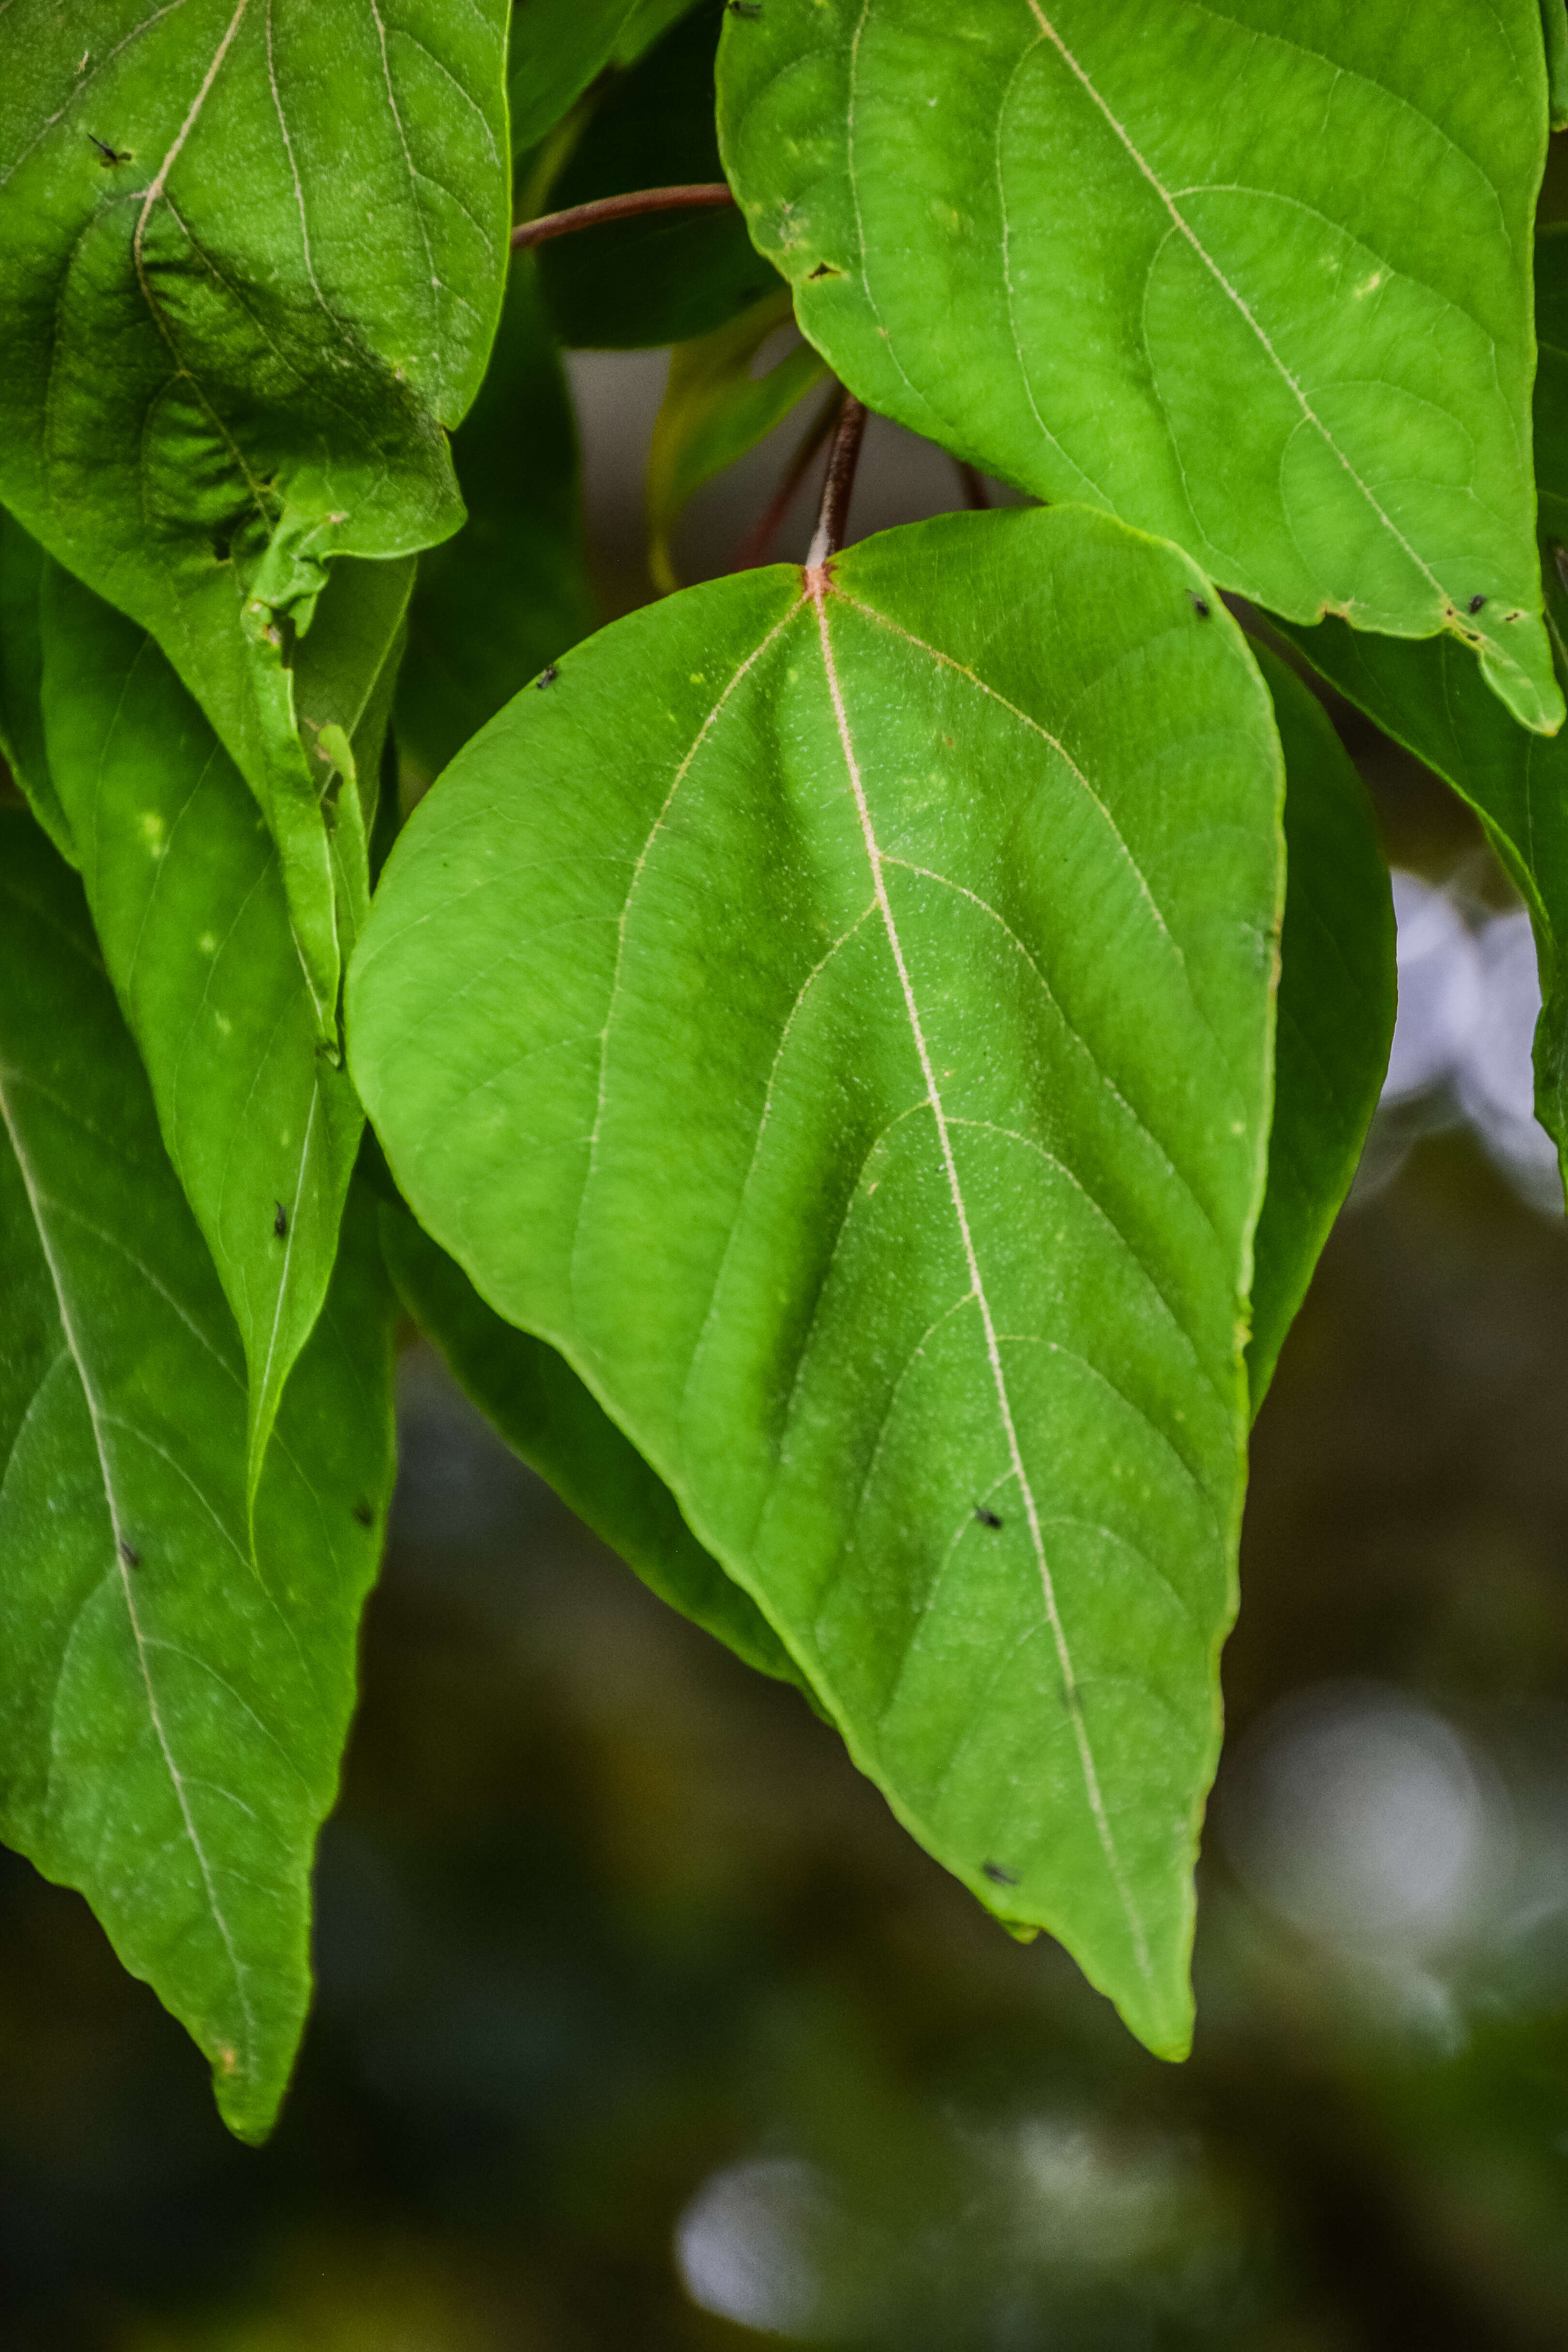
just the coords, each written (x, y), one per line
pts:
(188, 898)
(839, 1020)
(173, 1703)
(1554, 24)
(1335, 1013)
(557, 47)
(667, 276)
(545, 1414)
(1255, 281)
(714, 411)
(1429, 698)
(495, 604)
(21, 680)
(237, 330)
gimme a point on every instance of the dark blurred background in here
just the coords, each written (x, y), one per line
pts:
(640, 2023)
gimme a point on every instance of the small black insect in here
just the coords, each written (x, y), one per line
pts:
(1475, 603)
(1200, 606)
(998, 1874)
(825, 270)
(364, 1515)
(129, 1554)
(547, 676)
(280, 1222)
(108, 154)
(986, 1519)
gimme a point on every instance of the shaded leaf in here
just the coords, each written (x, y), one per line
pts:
(839, 1019)
(1335, 1011)
(511, 591)
(1554, 23)
(545, 1414)
(21, 680)
(556, 48)
(236, 336)
(172, 1704)
(187, 899)
(714, 411)
(667, 276)
(1256, 282)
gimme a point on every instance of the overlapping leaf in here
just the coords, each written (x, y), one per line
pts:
(1429, 698)
(173, 1700)
(251, 263)
(186, 892)
(852, 1050)
(668, 277)
(1254, 280)
(1335, 1014)
(499, 602)
(545, 1413)
(556, 48)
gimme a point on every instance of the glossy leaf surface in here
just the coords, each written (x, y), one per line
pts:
(1254, 278)
(497, 603)
(545, 1414)
(714, 410)
(1334, 1021)
(187, 899)
(841, 1023)
(250, 260)
(173, 1703)
(670, 275)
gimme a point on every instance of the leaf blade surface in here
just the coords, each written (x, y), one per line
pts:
(1194, 267)
(173, 1703)
(803, 1094)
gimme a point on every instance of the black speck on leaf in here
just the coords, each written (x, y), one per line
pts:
(280, 1222)
(107, 155)
(986, 1519)
(743, 7)
(998, 1874)
(824, 269)
(1200, 606)
(547, 676)
(1475, 603)
(129, 1554)
(364, 1515)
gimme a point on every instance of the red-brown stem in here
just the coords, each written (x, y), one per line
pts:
(693, 197)
(754, 548)
(974, 488)
(838, 489)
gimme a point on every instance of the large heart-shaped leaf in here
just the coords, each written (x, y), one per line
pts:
(499, 602)
(1334, 1020)
(172, 1698)
(667, 276)
(838, 1016)
(1257, 279)
(186, 892)
(251, 259)
(546, 1414)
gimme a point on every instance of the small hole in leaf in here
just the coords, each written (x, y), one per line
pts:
(824, 269)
